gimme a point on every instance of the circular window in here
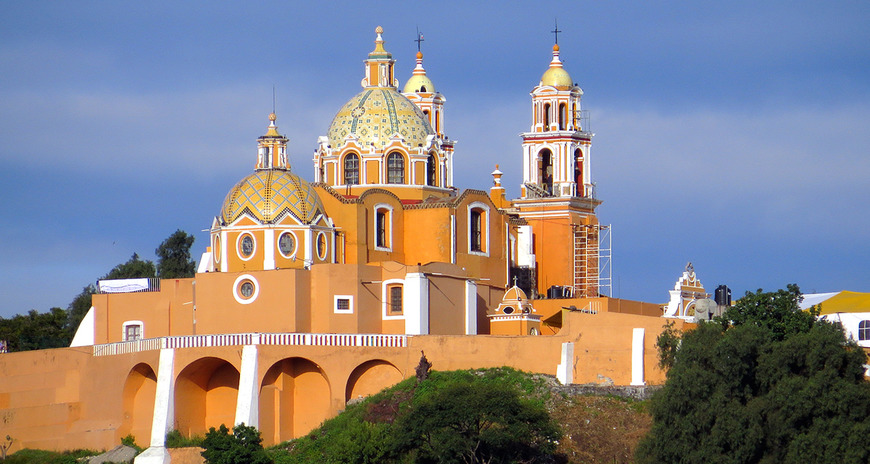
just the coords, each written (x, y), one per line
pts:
(508, 310)
(246, 289)
(246, 246)
(287, 244)
(321, 246)
(216, 248)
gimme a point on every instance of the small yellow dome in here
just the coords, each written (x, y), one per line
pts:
(267, 194)
(378, 113)
(419, 83)
(557, 77)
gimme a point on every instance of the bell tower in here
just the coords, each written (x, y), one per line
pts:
(556, 194)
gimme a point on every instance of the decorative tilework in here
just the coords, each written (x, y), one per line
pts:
(378, 113)
(268, 194)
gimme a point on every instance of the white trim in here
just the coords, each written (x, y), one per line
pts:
(239, 246)
(268, 251)
(325, 246)
(385, 299)
(335, 299)
(389, 225)
(295, 244)
(129, 324)
(239, 298)
(217, 246)
(637, 336)
(484, 239)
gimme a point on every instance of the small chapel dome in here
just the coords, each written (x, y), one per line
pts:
(268, 194)
(419, 81)
(375, 115)
(556, 75)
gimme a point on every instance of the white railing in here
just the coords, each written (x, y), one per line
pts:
(284, 339)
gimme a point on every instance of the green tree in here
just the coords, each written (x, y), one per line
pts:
(475, 423)
(243, 446)
(764, 384)
(134, 268)
(35, 330)
(173, 256)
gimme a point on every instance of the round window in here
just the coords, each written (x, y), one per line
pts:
(246, 246)
(216, 249)
(287, 244)
(321, 246)
(246, 289)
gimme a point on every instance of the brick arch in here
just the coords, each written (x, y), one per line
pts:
(294, 398)
(205, 396)
(371, 377)
(138, 403)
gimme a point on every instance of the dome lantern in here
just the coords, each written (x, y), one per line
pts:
(272, 148)
(380, 65)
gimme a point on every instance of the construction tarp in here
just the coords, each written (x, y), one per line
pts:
(838, 302)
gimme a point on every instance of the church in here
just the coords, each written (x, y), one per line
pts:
(312, 294)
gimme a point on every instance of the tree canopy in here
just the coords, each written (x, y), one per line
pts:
(173, 256)
(765, 383)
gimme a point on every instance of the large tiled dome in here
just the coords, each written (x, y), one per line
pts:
(375, 114)
(267, 194)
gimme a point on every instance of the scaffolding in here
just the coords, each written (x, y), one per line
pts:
(593, 274)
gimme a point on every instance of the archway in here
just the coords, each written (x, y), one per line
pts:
(545, 173)
(294, 398)
(371, 377)
(138, 400)
(206, 392)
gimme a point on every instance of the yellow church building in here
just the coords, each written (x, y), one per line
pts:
(310, 295)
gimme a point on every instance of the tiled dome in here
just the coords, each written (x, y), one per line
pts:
(267, 194)
(375, 114)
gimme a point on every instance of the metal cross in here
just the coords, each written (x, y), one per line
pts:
(419, 39)
(556, 31)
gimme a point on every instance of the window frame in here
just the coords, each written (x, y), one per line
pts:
(130, 324)
(386, 310)
(483, 210)
(239, 240)
(864, 332)
(395, 170)
(295, 244)
(350, 156)
(335, 300)
(387, 243)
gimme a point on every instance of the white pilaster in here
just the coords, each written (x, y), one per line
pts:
(637, 356)
(248, 402)
(470, 307)
(565, 369)
(164, 411)
(416, 303)
(269, 249)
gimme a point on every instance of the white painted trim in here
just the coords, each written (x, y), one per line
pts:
(239, 298)
(295, 243)
(385, 300)
(484, 233)
(335, 299)
(131, 323)
(269, 251)
(389, 225)
(239, 246)
(224, 252)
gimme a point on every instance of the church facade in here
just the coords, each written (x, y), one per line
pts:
(310, 295)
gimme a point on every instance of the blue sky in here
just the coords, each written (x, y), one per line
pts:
(729, 134)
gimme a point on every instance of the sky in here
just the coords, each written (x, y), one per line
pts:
(729, 134)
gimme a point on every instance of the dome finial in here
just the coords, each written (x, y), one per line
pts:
(272, 130)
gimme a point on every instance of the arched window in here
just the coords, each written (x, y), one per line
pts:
(383, 227)
(546, 172)
(578, 172)
(431, 170)
(351, 169)
(562, 116)
(546, 116)
(864, 330)
(478, 228)
(395, 168)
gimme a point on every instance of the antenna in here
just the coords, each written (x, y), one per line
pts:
(419, 39)
(556, 31)
(274, 100)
